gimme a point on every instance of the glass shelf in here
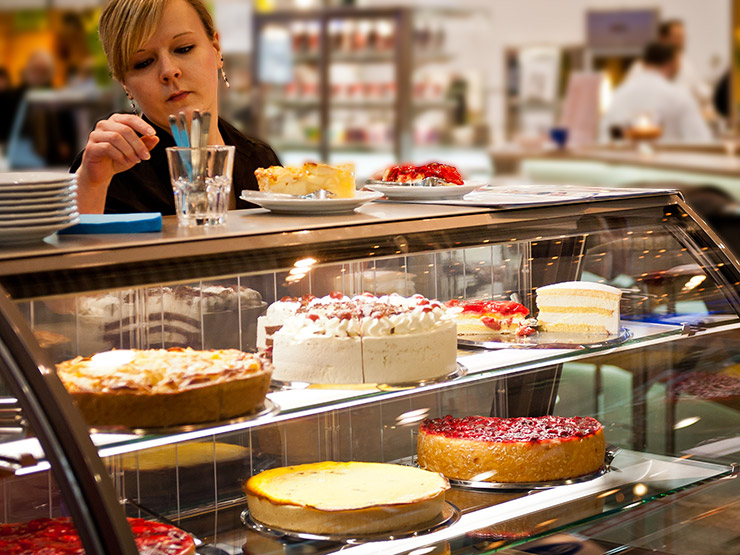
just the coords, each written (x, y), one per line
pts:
(494, 521)
(316, 399)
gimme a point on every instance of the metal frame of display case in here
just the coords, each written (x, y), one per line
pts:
(60, 429)
(93, 264)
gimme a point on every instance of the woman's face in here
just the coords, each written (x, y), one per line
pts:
(176, 70)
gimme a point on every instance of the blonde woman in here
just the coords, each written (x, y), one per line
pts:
(167, 57)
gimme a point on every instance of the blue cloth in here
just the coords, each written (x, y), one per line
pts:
(117, 223)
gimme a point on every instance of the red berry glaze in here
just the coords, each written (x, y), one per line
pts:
(405, 173)
(526, 331)
(491, 323)
(58, 536)
(509, 430)
(503, 308)
(707, 385)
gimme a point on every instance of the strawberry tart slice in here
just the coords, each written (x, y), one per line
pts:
(509, 450)
(487, 317)
(407, 173)
(58, 536)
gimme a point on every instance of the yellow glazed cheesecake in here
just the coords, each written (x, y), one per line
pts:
(164, 387)
(183, 474)
(311, 177)
(344, 498)
(527, 449)
(578, 307)
(182, 455)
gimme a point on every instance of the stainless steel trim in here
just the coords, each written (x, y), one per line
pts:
(119, 262)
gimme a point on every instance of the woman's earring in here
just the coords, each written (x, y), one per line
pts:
(223, 74)
(133, 105)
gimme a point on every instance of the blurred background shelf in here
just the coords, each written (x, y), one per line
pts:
(364, 76)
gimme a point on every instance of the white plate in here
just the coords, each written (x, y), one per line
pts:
(40, 213)
(6, 195)
(26, 199)
(282, 204)
(410, 192)
(33, 206)
(35, 222)
(17, 235)
(23, 179)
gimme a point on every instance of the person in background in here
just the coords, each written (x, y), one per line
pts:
(166, 55)
(721, 96)
(9, 99)
(45, 135)
(673, 32)
(653, 92)
(81, 77)
(5, 83)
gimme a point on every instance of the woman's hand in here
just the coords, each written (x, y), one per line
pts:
(113, 146)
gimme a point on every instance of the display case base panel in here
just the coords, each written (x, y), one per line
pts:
(545, 340)
(449, 515)
(269, 408)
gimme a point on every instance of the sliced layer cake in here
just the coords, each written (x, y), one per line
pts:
(578, 307)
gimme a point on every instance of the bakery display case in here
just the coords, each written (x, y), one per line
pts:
(664, 388)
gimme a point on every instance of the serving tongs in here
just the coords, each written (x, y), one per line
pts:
(201, 548)
(426, 182)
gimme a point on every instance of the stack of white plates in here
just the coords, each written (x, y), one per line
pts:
(34, 205)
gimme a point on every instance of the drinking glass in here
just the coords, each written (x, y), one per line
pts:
(201, 182)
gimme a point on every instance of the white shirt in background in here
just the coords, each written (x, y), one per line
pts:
(687, 77)
(671, 105)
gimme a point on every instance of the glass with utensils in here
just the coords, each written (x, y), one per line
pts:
(201, 182)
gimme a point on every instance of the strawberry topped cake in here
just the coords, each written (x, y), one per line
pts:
(487, 317)
(530, 449)
(407, 173)
(58, 536)
(363, 339)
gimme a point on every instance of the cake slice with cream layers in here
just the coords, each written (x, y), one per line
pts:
(578, 307)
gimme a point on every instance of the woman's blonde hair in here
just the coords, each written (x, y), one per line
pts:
(126, 24)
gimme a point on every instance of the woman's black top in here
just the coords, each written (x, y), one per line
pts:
(147, 188)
